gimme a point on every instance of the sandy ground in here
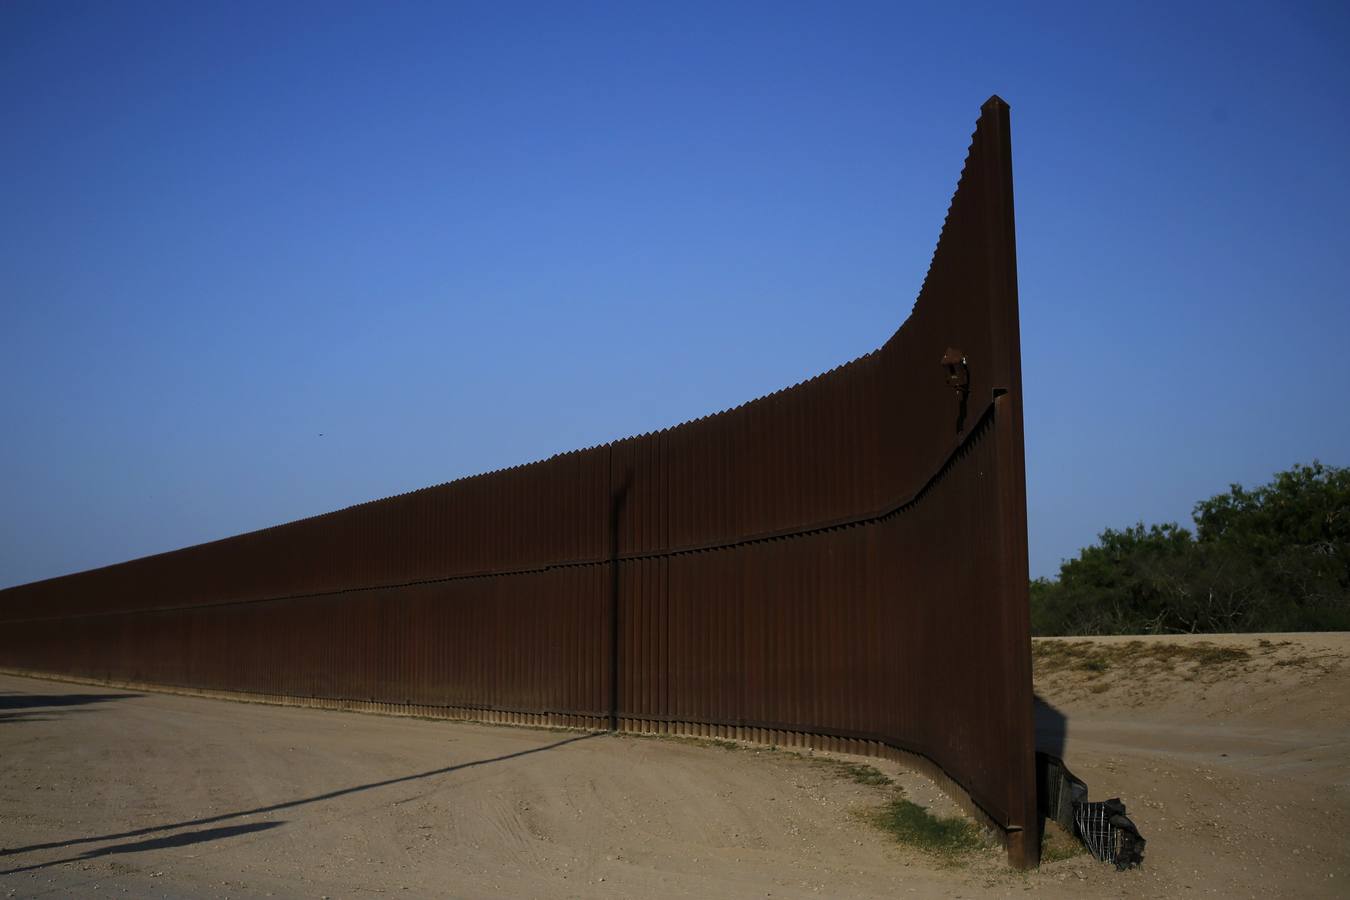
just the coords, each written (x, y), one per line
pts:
(1236, 769)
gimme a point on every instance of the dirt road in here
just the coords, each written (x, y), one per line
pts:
(1236, 768)
(1231, 751)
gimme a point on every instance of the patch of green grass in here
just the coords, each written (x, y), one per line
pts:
(1303, 661)
(1051, 656)
(1057, 844)
(859, 772)
(941, 836)
(719, 742)
(1094, 664)
(1206, 654)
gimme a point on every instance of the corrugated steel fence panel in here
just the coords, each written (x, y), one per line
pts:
(841, 564)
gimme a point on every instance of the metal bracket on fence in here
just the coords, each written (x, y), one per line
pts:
(958, 370)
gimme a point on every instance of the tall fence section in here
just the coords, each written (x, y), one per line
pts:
(841, 565)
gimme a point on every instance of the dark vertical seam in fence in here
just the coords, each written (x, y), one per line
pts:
(615, 510)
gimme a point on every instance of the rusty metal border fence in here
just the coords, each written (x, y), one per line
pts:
(841, 565)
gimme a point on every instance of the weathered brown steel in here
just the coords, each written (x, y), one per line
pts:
(841, 564)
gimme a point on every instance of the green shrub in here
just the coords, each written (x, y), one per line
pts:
(1274, 558)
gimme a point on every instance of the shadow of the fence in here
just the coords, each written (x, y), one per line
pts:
(275, 807)
(37, 701)
(185, 839)
(25, 707)
(1052, 727)
(1052, 733)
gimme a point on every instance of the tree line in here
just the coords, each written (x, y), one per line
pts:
(1273, 558)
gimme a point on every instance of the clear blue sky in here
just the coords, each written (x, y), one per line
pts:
(453, 237)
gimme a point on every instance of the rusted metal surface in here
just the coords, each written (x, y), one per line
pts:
(841, 564)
